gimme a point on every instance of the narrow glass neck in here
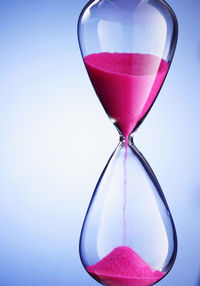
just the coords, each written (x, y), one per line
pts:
(129, 140)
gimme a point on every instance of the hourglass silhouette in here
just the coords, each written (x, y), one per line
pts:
(128, 237)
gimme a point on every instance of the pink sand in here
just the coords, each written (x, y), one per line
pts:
(124, 267)
(125, 190)
(126, 84)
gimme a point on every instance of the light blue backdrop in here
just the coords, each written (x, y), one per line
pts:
(55, 139)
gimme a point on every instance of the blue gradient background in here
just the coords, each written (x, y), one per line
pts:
(55, 140)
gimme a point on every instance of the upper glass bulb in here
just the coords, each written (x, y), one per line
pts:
(127, 46)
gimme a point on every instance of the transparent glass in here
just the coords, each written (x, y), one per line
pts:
(128, 237)
(129, 26)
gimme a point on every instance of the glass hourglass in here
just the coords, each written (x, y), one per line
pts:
(128, 236)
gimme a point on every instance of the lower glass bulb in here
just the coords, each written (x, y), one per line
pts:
(128, 236)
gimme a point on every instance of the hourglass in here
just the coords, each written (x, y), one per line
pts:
(128, 236)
